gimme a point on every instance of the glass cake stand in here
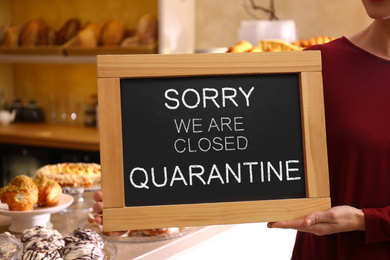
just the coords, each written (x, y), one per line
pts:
(81, 202)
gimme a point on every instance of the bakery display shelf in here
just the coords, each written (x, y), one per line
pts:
(72, 49)
(33, 50)
(71, 54)
(52, 59)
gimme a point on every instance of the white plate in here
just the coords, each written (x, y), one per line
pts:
(109, 250)
(38, 216)
(65, 201)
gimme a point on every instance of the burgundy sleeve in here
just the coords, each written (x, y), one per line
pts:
(377, 224)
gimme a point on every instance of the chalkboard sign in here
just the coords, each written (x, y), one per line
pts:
(227, 145)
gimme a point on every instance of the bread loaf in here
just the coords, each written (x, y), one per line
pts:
(86, 38)
(146, 32)
(113, 32)
(36, 33)
(11, 36)
(95, 27)
(147, 29)
(67, 31)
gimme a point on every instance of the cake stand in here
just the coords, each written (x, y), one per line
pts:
(79, 201)
(39, 216)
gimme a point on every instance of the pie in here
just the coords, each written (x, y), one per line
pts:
(72, 174)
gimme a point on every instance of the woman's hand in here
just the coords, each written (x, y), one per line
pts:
(97, 212)
(335, 220)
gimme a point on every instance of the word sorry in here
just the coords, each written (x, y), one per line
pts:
(142, 179)
(207, 95)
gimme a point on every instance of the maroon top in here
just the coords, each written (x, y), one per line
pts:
(357, 113)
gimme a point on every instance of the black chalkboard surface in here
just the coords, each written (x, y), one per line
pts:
(211, 139)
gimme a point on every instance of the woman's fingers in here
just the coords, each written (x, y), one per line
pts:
(98, 196)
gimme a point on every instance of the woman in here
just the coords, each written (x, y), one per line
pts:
(356, 78)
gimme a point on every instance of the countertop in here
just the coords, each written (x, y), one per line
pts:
(50, 135)
(67, 221)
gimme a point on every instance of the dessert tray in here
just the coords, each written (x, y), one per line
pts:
(40, 216)
(12, 248)
(137, 237)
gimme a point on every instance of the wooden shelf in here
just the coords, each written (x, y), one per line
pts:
(60, 59)
(49, 135)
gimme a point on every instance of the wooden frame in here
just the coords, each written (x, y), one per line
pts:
(111, 68)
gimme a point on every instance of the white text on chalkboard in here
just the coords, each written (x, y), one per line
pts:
(247, 171)
(207, 96)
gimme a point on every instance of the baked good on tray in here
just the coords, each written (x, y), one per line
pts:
(20, 194)
(72, 174)
(23, 192)
(47, 243)
(49, 191)
(42, 243)
(82, 242)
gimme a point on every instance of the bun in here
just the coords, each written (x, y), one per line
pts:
(11, 36)
(49, 191)
(113, 33)
(95, 27)
(146, 32)
(86, 38)
(36, 33)
(21, 194)
(68, 30)
(147, 29)
(241, 46)
(89, 35)
(313, 41)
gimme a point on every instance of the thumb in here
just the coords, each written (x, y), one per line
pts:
(311, 219)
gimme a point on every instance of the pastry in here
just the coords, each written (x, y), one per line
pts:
(82, 242)
(68, 30)
(72, 174)
(147, 29)
(146, 32)
(159, 231)
(49, 191)
(21, 194)
(42, 243)
(36, 33)
(11, 36)
(113, 32)
(86, 38)
(47, 243)
(95, 27)
(241, 46)
(313, 41)
(277, 45)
